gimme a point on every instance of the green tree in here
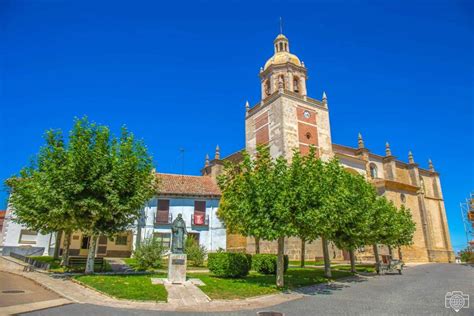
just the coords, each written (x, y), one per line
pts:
(256, 201)
(96, 183)
(108, 180)
(403, 228)
(331, 190)
(356, 213)
(37, 192)
(304, 188)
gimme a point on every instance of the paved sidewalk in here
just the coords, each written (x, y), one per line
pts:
(185, 294)
(75, 292)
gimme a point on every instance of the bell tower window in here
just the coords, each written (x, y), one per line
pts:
(267, 87)
(296, 84)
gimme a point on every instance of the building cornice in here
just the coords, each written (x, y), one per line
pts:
(395, 185)
(290, 95)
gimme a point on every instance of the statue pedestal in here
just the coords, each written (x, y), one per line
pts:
(177, 268)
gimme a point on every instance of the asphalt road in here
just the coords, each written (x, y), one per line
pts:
(16, 290)
(420, 290)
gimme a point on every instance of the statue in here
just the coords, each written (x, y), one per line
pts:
(179, 231)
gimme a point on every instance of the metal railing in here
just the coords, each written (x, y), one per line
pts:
(30, 261)
(163, 219)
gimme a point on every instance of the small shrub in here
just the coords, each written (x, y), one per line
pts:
(267, 263)
(195, 252)
(149, 255)
(228, 264)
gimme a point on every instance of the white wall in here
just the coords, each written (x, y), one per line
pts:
(11, 238)
(212, 237)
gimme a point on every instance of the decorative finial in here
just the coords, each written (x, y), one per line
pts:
(247, 106)
(217, 156)
(388, 151)
(324, 96)
(360, 141)
(281, 25)
(410, 157)
(206, 164)
(430, 165)
(261, 69)
(302, 64)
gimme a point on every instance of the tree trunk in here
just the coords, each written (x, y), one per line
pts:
(57, 244)
(67, 243)
(46, 249)
(400, 253)
(390, 252)
(280, 282)
(352, 258)
(377, 259)
(327, 260)
(303, 251)
(91, 254)
(257, 245)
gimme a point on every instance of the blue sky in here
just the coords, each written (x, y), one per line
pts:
(178, 76)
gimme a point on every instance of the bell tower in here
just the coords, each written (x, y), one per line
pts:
(286, 118)
(283, 70)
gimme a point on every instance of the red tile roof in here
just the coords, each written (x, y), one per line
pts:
(175, 184)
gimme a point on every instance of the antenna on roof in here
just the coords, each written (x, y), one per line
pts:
(181, 151)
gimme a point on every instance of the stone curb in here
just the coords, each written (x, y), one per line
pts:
(263, 301)
(31, 307)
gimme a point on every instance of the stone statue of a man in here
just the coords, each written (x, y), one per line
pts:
(179, 234)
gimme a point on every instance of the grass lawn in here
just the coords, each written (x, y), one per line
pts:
(307, 262)
(132, 287)
(132, 263)
(54, 265)
(257, 284)
(359, 267)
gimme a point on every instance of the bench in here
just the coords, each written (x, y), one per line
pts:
(392, 266)
(82, 261)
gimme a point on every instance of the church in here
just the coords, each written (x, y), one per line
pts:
(287, 118)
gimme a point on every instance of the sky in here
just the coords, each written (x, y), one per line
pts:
(178, 74)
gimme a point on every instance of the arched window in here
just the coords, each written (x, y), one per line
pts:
(281, 79)
(373, 171)
(267, 87)
(281, 46)
(296, 84)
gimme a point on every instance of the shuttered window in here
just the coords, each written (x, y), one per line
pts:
(162, 214)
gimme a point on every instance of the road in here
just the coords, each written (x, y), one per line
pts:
(17, 290)
(420, 290)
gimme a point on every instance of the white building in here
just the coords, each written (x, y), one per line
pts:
(18, 238)
(196, 198)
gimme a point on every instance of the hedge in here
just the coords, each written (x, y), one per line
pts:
(229, 264)
(267, 263)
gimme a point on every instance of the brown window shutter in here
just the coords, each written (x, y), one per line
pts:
(163, 211)
(200, 206)
(164, 205)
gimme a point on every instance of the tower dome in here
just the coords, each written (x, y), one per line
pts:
(283, 72)
(282, 53)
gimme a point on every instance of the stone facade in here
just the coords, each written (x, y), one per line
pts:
(286, 118)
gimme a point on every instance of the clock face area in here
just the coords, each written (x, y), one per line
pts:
(306, 114)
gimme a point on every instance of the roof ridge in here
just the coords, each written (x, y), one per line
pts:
(179, 175)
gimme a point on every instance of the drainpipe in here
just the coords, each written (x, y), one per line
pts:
(210, 228)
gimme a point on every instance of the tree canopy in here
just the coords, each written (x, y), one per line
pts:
(95, 183)
(308, 198)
